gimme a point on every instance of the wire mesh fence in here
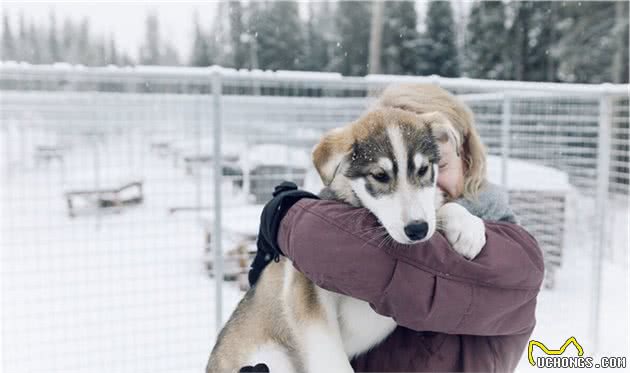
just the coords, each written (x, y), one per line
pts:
(128, 192)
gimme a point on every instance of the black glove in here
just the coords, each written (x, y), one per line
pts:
(285, 195)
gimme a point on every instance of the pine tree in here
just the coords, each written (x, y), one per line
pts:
(8, 42)
(318, 51)
(100, 52)
(279, 36)
(352, 24)
(588, 42)
(441, 51)
(253, 14)
(125, 60)
(69, 42)
(154, 50)
(150, 49)
(169, 56)
(237, 32)
(401, 41)
(53, 42)
(621, 33)
(200, 55)
(486, 41)
(84, 48)
(23, 43)
(220, 43)
(112, 52)
(542, 62)
(34, 51)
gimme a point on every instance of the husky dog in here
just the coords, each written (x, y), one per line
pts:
(386, 161)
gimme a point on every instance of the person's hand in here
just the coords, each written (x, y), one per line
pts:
(285, 195)
(465, 232)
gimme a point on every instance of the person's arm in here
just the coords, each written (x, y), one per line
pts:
(426, 286)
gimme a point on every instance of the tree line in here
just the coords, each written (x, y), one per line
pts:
(517, 40)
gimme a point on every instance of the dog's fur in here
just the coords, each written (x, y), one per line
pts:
(387, 162)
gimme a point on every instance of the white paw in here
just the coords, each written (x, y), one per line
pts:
(464, 231)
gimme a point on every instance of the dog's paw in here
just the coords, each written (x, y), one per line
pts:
(465, 232)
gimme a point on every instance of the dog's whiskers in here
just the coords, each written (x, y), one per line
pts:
(377, 237)
(354, 214)
(367, 230)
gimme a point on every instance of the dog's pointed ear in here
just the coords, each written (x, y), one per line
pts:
(329, 152)
(443, 129)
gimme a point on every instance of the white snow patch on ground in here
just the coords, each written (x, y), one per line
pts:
(124, 292)
(128, 292)
(564, 311)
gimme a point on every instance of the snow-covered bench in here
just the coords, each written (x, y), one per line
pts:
(112, 197)
(267, 165)
(44, 154)
(240, 230)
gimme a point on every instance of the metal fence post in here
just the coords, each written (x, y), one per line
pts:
(506, 114)
(218, 173)
(97, 175)
(8, 154)
(603, 173)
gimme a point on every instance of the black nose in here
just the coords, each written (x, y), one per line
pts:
(416, 230)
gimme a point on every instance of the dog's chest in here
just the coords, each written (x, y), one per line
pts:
(361, 327)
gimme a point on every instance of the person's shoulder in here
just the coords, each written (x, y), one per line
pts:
(494, 193)
(492, 203)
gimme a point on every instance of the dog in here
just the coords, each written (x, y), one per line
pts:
(386, 161)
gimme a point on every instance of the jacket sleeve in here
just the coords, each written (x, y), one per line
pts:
(425, 286)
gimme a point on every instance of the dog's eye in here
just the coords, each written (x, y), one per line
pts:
(423, 170)
(381, 177)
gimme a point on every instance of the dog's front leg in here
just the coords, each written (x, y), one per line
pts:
(323, 346)
(465, 232)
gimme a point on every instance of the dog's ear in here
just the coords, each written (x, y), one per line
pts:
(443, 130)
(329, 153)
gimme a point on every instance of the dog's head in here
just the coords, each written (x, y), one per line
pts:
(387, 161)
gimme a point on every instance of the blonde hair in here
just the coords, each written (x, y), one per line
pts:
(426, 98)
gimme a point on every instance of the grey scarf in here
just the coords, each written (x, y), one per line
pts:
(491, 204)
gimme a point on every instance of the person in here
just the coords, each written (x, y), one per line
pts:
(452, 314)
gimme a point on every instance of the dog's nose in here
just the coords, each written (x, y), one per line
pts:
(416, 230)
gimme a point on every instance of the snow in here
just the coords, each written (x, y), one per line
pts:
(238, 220)
(128, 292)
(277, 155)
(565, 311)
(306, 76)
(504, 85)
(525, 175)
(182, 71)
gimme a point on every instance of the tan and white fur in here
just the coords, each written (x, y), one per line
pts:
(386, 161)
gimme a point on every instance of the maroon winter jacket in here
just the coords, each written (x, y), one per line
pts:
(453, 314)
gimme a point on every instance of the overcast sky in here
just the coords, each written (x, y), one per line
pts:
(125, 19)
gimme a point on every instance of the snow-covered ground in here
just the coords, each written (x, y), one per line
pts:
(122, 292)
(565, 311)
(128, 292)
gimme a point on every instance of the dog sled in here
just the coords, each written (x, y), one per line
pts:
(240, 226)
(112, 199)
